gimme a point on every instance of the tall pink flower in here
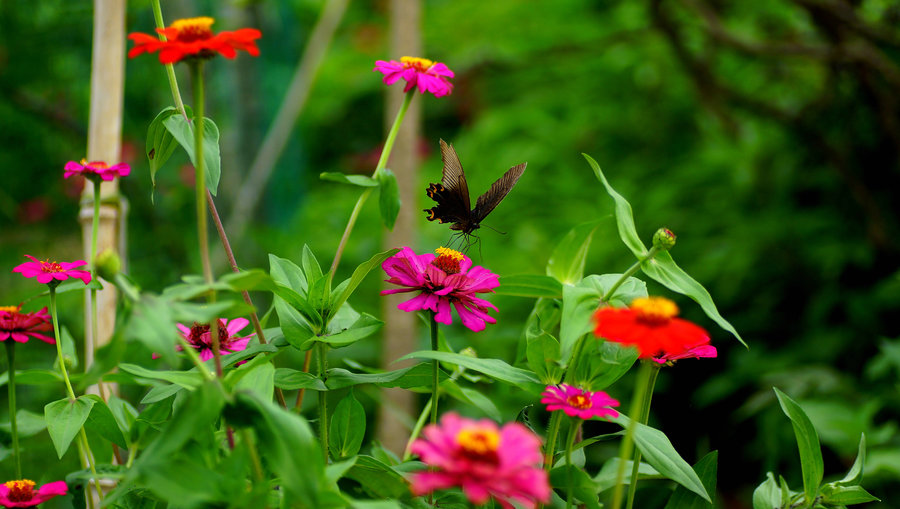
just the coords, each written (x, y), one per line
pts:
(53, 272)
(20, 326)
(22, 493)
(198, 336)
(482, 459)
(442, 280)
(96, 169)
(579, 403)
(428, 76)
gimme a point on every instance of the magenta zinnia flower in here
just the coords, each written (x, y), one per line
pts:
(697, 352)
(442, 280)
(53, 272)
(96, 169)
(428, 76)
(483, 460)
(579, 403)
(22, 493)
(198, 336)
(20, 326)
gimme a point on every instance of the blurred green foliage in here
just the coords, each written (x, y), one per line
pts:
(763, 133)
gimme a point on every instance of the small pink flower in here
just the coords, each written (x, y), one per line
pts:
(96, 169)
(198, 336)
(20, 326)
(53, 272)
(579, 403)
(706, 351)
(442, 280)
(483, 460)
(428, 76)
(22, 493)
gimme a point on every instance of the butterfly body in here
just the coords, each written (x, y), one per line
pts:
(452, 194)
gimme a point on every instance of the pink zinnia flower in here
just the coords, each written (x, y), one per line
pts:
(707, 351)
(53, 272)
(442, 280)
(579, 403)
(95, 169)
(22, 493)
(428, 76)
(20, 326)
(483, 460)
(198, 336)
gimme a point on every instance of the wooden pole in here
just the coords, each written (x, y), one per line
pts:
(400, 330)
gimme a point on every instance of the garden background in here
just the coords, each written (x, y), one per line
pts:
(765, 134)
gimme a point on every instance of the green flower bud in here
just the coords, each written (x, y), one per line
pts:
(664, 239)
(108, 264)
(468, 352)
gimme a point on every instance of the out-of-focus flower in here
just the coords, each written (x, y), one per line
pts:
(441, 280)
(20, 326)
(697, 352)
(579, 403)
(428, 76)
(198, 336)
(194, 38)
(650, 325)
(482, 459)
(53, 272)
(22, 493)
(95, 169)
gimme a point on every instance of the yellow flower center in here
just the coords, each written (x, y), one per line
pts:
(193, 29)
(447, 260)
(580, 401)
(419, 64)
(48, 266)
(11, 309)
(478, 441)
(97, 165)
(20, 491)
(654, 310)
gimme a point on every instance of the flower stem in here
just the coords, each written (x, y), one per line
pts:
(322, 361)
(11, 355)
(170, 69)
(645, 415)
(434, 370)
(382, 162)
(570, 441)
(550, 446)
(95, 228)
(628, 273)
(637, 405)
(82, 454)
(417, 429)
(298, 405)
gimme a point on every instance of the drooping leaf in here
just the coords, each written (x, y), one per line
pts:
(807, 442)
(64, 420)
(530, 285)
(471, 397)
(542, 353)
(624, 217)
(388, 198)
(706, 469)
(343, 178)
(365, 326)
(404, 378)
(183, 133)
(186, 379)
(566, 264)
(348, 427)
(102, 421)
(494, 368)
(338, 298)
(160, 143)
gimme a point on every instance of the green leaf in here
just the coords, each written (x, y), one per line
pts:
(664, 270)
(846, 495)
(542, 353)
(64, 420)
(609, 473)
(292, 379)
(578, 308)
(624, 217)
(855, 474)
(259, 379)
(658, 451)
(102, 421)
(365, 326)
(160, 143)
(808, 443)
(310, 265)
(186, 379)
(566, 264)
(184, 135)
(254, 279)
(706, 469)
(295, 327)
(153, 323)
(379, 479)
(629, 290)
(613, 361)
(348, 427)
(349, 286)
(356, 180)
(583, 487)
(388, 198)
(767, 495)
(288, 274)
(530, 285)
(27, 423)
(405, 378)
(471, 397)
(494, 368)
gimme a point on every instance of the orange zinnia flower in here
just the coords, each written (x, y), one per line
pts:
(650, 325)
(194, 38)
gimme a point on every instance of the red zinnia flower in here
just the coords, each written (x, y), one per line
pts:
(53, 272)
(198, 336)
(19, 326)
(579, 403)
(428, 76)
(96, 169)
(194, 38)
(22, 493)
(650, 325)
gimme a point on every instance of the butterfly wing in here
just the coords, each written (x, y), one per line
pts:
(453, 177)
(499, 189)
(452, 194)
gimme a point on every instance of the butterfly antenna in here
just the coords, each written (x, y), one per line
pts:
(496, 230)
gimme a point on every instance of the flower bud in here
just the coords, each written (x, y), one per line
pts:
(468, 352)
(108, 264)
(663, 239)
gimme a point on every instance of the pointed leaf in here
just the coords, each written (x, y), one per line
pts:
(102, 421)
(358, 275)
(542, 353)
(295, 327)
(288, 274)
(530, 285)
(259, 379)
(184, 135)
(348, 427)
(846, 495)
(292, 379)
(494, 368)
(706, 469)
(584, 488)
(356, 180)
(624, 217)
(855, 474)
(579, 306)
(365, 326)
(566, 264)
(807, 442)
(64, 420)
(767, 495)
(160, 143)
(388, 198)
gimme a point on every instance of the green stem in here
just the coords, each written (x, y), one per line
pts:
(420, 423)
(550, 446)
(382, 162)
(95, 228)
(628, 273)
(170, 69)
(254, 455)
(637, 405)
(434, 370)
(570, 441)
(573, 363)
(91, 464)
(322, 362)
(644, 417)
(195, 359)
(11, 355)
(81, 456)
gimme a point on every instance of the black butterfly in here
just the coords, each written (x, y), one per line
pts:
(452, 194)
